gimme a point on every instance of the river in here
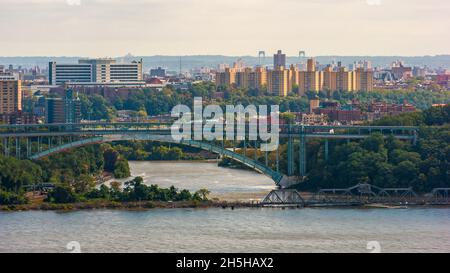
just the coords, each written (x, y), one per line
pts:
(224, 183)
(224, 230)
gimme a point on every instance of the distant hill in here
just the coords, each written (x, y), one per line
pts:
(188, 62)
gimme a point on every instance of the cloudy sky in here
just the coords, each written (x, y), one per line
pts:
(228, 27)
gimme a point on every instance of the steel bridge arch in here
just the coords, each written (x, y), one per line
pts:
(253, 164)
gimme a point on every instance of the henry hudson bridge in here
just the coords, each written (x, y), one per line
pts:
(41, 140)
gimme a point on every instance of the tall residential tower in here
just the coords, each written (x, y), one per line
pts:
(10, 94)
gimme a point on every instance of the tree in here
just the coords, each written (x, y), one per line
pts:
(9, 198)
(122, 169)
(374, 143)
(289, 118)
(184, 195)
(84, 183)
(406, 172)
(110, 158)
(203, 193)
(62, 194)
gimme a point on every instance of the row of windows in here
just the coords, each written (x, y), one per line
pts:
(71, 65)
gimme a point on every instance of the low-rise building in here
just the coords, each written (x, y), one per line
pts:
(19, 117)
(314, 119)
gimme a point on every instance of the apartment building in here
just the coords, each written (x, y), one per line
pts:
(97, 72)
(10, 94)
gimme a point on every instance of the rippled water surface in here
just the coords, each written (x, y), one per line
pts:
(222, 182)
(217, 230)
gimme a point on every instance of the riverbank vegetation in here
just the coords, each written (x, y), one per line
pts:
(133, 191)
(78, 170)
(387, 163)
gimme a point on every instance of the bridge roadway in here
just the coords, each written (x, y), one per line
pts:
(69, 136)
(94, 129)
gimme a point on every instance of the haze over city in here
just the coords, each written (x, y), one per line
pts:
(189, 27)
(240, 129)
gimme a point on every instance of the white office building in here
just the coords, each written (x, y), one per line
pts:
(97, 72)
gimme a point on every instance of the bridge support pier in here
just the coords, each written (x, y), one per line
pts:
(326, 150)
(18, 148)
(6, 146)
(415, 138)
(302, 154)
(28, 148)
(278, 158)
(290, 153)
(255, 150)
(267, 157)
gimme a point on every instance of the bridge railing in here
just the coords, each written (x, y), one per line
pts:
(284, 129)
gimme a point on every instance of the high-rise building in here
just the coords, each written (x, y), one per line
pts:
(311, 79)
(329, 80)
(258, 78)
(364, 80)
(54, 111)
(94, 72)
(281, 81)
(279, 59)
(64, 110)
(294, 76)
(278, 82)
(345, 80)
(10, 94)
(311, 65)
(226, 78)
(243, 78)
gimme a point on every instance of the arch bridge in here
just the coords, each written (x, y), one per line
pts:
(36, 141)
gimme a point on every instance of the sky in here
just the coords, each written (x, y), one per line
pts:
(110, 28)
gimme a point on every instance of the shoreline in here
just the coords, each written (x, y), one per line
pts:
(149, 205)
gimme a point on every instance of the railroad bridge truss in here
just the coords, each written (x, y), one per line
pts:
(359, 195)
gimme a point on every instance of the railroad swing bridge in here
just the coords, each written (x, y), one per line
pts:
(41, 140)
(358, 195)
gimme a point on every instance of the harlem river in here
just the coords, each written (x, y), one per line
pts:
(225, 230)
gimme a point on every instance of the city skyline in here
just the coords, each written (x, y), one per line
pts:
(195, 27)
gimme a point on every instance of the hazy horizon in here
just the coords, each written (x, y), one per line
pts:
(268, 55)
(98, 28)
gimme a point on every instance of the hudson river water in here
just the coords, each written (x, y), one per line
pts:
(225, 230)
